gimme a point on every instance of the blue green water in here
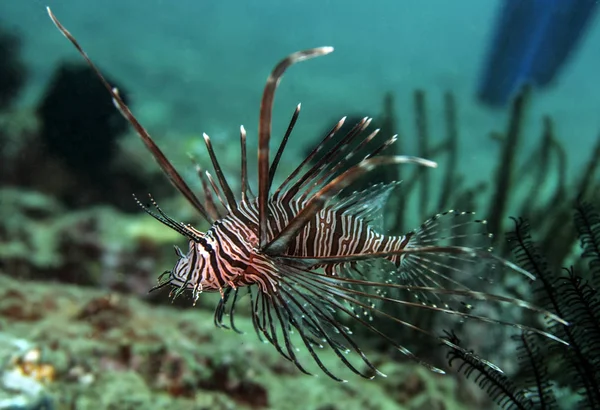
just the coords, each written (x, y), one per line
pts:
(199, 66)
(193, 66)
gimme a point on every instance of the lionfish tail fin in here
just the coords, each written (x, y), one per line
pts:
(452, 252)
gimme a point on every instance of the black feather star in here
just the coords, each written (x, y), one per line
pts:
(547, 369)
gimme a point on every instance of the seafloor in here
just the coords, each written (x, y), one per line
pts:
(97, 350)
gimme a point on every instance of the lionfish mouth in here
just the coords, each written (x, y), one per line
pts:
(316, 264)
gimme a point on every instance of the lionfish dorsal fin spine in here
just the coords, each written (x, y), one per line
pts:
(318, 201)
(264, 131)
(282, 145)
(229, 197)
(309, 157)
(243, 165)
(329, 156)
(209, 201)
(158, 155)
(340, 163)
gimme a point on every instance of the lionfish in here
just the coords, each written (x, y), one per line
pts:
(312, 261)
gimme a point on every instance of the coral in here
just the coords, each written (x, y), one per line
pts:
(21, 146)
(12, 68)
(79, 122)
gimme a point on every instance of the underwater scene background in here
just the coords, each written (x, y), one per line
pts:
(78, 328)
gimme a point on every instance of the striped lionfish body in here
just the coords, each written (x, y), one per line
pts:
(313, 263)
(233, 240)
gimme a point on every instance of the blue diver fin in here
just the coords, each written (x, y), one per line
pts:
(532, 41)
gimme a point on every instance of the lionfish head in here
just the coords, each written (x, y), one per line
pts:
(182, 274)
(189, 272)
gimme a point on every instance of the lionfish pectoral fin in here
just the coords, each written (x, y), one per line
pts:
(300, 314)
(354, 298)
(431, 285)
(331, 301)
(156, 152)
(226, 306)
(272, 322)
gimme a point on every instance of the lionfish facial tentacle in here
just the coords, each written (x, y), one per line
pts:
(178, 251)
(158, 155)
(163, 218)
(161, 283)
(264, 131)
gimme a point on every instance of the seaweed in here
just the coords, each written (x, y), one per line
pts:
(570, 292)
(505, 173)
